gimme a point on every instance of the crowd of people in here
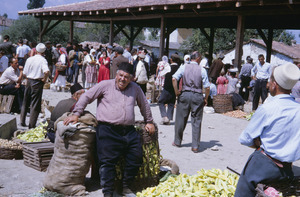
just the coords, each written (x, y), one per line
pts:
(118, 80)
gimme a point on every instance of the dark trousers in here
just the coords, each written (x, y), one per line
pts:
(260, 169)
(189, 102)
(21, 61)
(260, 90)
(245, 84)
(112, 143)
(73, 73)
(83, 76)
(17, 92)
(143, 87)
(33, 99)
(169, 99)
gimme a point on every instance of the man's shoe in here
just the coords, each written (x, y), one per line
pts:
(195, 150)
(23, 124)
(128, 193)
(166, 121)
(173, 144)
(108, 195)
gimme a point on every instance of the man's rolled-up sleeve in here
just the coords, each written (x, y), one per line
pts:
(144, 106)
(254, 128)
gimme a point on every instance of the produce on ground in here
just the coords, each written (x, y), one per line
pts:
(248, 117)
(236, 114)
(36, 134)
(10, 144)
(215, 182)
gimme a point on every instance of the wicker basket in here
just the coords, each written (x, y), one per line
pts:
(10, 150)
(222, 103)
(6, 153)
(60, 67)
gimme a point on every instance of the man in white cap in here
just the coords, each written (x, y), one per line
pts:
(36, 71)
(274, 131)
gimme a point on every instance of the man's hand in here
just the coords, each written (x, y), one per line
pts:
(267, 86)
(205, 102)
(150, 128)
(17, 85)
(73, 119)
(177, 93)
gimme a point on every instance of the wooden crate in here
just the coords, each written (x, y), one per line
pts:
(37, 155)
(6, 102)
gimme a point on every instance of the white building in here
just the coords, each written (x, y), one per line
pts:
(281, 53)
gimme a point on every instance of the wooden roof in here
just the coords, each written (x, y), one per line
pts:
(218, 13)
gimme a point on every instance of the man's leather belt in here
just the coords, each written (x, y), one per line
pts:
(276, 161)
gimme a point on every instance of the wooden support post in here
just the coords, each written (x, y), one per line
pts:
(269, 45)
(167, 42)
(210, 39)
(41, 29)
(211, 45)
(239, 42)
(268, 41)
(111, 33)
(162, 36)
(131, 37)
(71, 31)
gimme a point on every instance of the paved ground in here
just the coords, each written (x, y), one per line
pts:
(18, 180)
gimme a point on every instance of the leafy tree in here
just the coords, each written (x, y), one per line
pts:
(28, 27)
(224, 39)
(35, 4)
(5, 15)
(154, 34)
(93, 32)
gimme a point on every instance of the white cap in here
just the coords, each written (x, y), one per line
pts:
(41, 48)
(287, 75)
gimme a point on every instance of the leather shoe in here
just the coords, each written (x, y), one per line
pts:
(195, 150)
(173, 144)
(23, 124)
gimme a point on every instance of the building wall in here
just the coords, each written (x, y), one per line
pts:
(253, 50)
(179, 35)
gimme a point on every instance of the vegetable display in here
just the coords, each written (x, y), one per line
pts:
(215, 182)
(36, 134)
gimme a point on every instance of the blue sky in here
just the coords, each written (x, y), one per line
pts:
(11, 7)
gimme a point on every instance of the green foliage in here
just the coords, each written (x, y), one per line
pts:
(93, 32)
(5, 15)
(28, 27)
(25, 27)
(224, 39)
(153, 34)
(35, 4)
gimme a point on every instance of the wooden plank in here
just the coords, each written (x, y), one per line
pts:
(9, 103)
(4, 99)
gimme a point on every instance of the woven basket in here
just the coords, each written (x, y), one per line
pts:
(60, 67)
(222, 103)
(7, 153)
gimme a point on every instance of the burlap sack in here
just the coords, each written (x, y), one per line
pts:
(72, 155)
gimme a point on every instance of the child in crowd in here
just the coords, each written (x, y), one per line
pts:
(237, 100)
(221, 82)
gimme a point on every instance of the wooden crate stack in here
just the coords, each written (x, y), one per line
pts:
(37, 155)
